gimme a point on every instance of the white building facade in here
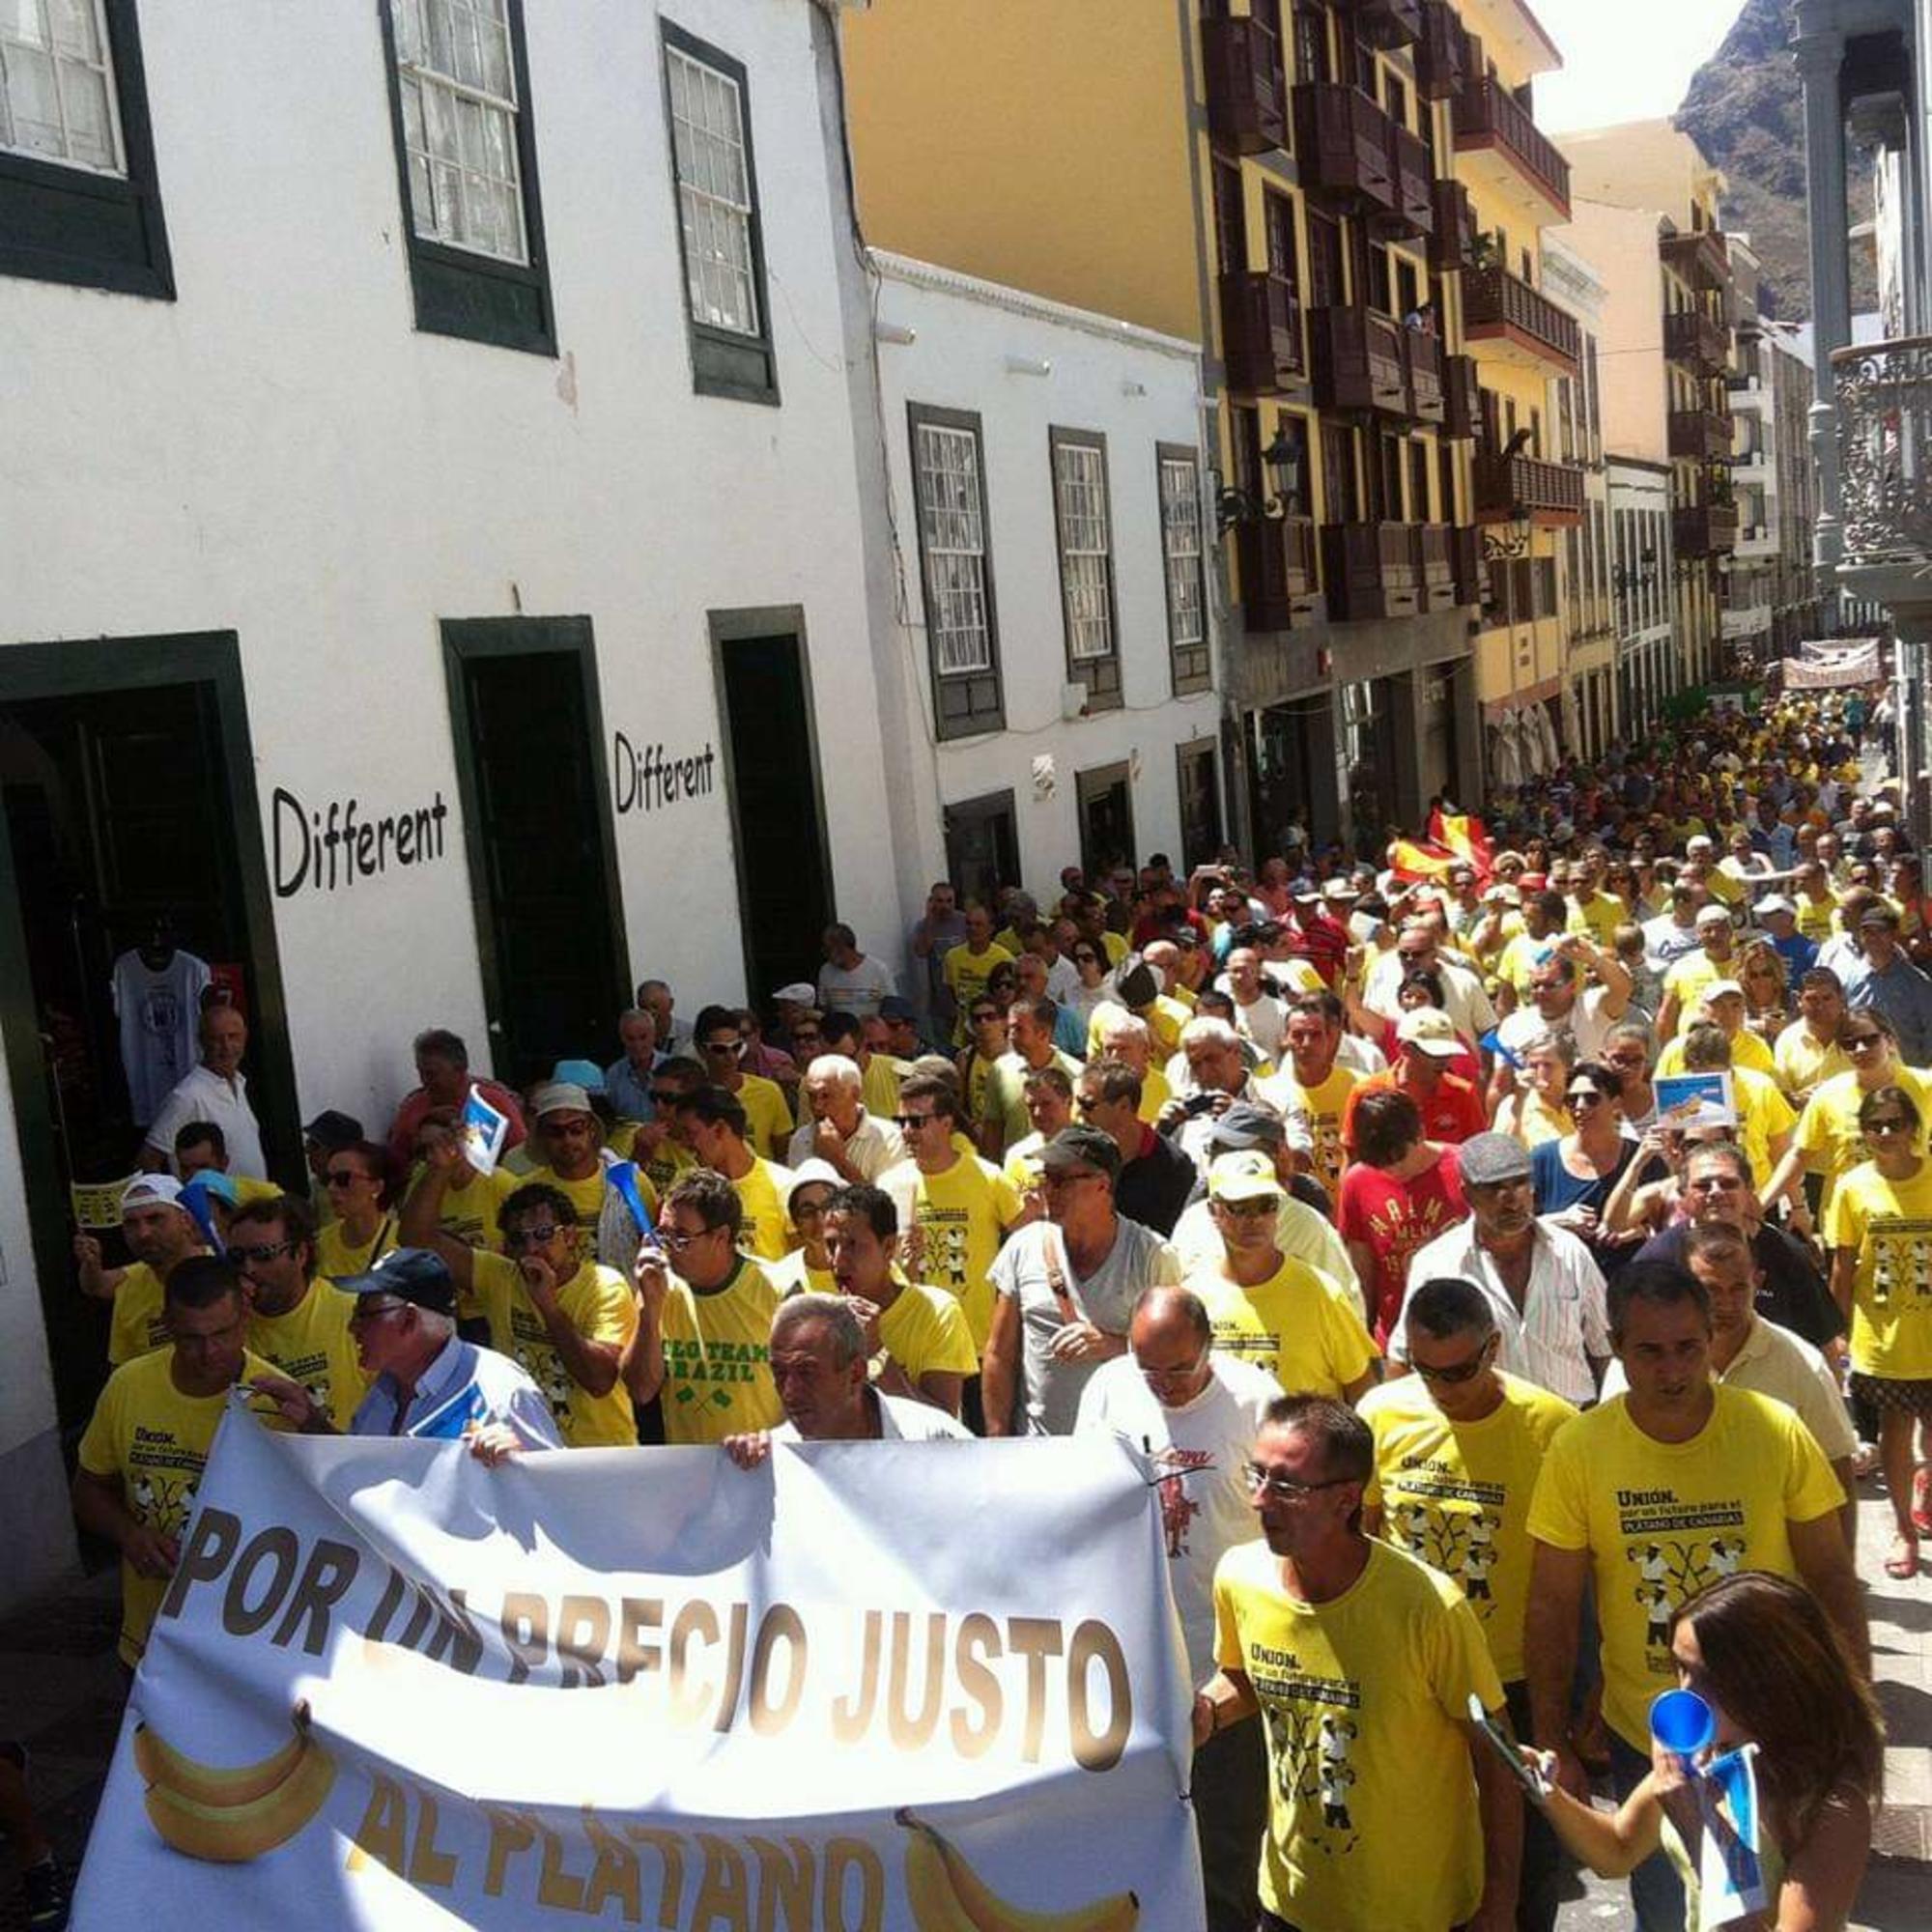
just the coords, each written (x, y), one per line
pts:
(436, 584)
(1649, 666)
(1051, 699)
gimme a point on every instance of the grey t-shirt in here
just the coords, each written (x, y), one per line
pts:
(1051, 1391)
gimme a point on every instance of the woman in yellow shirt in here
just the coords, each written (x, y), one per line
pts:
(363, 1230)
(1879, 1228)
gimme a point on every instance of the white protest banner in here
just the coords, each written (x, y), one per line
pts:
(867, 1688)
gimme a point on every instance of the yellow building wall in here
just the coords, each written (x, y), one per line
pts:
(1078, 188)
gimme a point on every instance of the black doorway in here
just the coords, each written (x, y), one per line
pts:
(1106, 819)
(778, 813)
(128, 813)
(530, 766)
(982, 846)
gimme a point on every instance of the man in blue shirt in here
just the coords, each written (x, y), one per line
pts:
(1886, 979)
(627, 1082)
(1779, 918)
(429, 1383)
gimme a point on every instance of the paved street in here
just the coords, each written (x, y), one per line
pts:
(60, 1691)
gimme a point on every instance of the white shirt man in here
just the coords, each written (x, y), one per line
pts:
(215, 1091)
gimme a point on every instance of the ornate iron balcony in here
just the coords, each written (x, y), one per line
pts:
(1885, 451)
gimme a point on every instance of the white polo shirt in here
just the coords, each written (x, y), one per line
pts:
(1563, 1319)
(206, 1097)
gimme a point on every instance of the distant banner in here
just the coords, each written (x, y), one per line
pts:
(869, 1688)
(1826, 666)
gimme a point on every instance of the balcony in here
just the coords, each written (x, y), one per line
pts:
(1358, 361)
(1246, 108)
(1443, 66)
(1453, 239)
(1705, 529)
(1699, 256)
(1461, 399)
(1436, 552)
(1471, 567)
(1423, 364)
(1343, 146)
(1703, 435)
(1279, 585)
(1261, 333)
(1372, 570)
(1508, 155)
(1516, 324)
(1693, 338)
(1387, 23)
(1415, 212)
(1510, 490)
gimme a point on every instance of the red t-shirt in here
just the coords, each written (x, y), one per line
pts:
(1451, 1113)
(1392, 1219)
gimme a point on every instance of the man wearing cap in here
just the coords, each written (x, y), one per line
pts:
(1559, 997)
(1267, 1307)
(849, 980)
(1886, 979)
(1064, 1289)
(571, 1138)
(444, 1080)
(1195, 1411)
(901, 1039)
(1156, 1180)
(146, 1446)
(1779, 918)
(215, 1091)
(551, 1307)
(627, 1080)
(839, 1130)
(1714, 959)
(296, 1321)
(1546, 1292)
(160, 1235)
(1450, 1106)
(426, 1381)
(1721, 1004)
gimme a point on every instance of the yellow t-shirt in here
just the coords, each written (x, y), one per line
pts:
(663, 1168)
(1748, 1050)
(1817, 919)
(1802, 1064)
(1363, 1701)
(1321, 1107)
(337, 1258)
(1509, 927)
(1536, 1121)
(140, 1322)
(311, 1345)
(1661, 1519)
(768, 1121)
(1599, 915)
(1828, 1129)
(1890, 1223)
(1022, 1165)
(717, 1354)
(1115, 945)
(1723, 885)
(469, 1213)
(600, 1307)
(587, 1196)
(145, 1431)
(962, 1216)
(761, 1193)
(1687, 978)
(1763, 1115)
(966, 972)
(1296, 1326)
(1155, 1093)
(1455, 1495)
(925, 1331)
(793, 1274)
(879, 1085)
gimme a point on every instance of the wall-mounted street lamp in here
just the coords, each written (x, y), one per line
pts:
(1281, 461)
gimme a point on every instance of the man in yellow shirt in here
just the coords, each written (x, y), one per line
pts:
(160, 1235)
(471, 1201)
(720, 1135)
(1311, 1092)
(1128, 1041)
(1712, 960)
(1816, 902)
(1721, 1004)
(1269, 1308)
(722, 1048)
(1653, 1494)
(144, 1450)
(703, 1334)
(1808, 1053)
(1458, 1448)
(916, 1337)
(563, 1319)
(968, 966)
(1363, 1664)
(295, 1320)
(571, 1138)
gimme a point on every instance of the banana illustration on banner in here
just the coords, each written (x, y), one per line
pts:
(230, 1816)
(947, 1896)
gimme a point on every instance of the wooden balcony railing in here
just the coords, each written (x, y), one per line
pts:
(1496, 301)
(1279, 580)
(1472, 570)
(1699, 255)
(1453, 241)
(1371, 570)
(1703, 435)
(1461, 399)
(1423, 364)
(1357, 360)
(1261, 332)
(1343, 145)
(1434, 544)
(1705, 529)
(1442, 53)
(1247, 109)
(1527, 486)
(1387, 23)
(1694, 339)
(1414, 210)
(1488, 116)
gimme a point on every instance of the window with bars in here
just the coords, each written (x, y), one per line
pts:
(707, 107)
(1084, 526)
(1183, 563)
(80, 195)
(961, 627)
(465, 152)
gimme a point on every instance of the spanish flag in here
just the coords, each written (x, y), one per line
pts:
(1465, 836)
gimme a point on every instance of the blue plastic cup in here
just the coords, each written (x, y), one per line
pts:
(1681, 1721)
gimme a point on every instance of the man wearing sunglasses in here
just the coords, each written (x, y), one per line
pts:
(1363, 1664)
(1457, 1447)
(722, 1048)
(294, 1319)
(563, 1317)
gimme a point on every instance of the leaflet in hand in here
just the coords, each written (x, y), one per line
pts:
(485, 1129)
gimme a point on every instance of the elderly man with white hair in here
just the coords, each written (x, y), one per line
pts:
(1127, 1038)
(1218, 1075)
(840, 1131)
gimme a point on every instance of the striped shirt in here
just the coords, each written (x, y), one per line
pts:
(1563, 1321)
